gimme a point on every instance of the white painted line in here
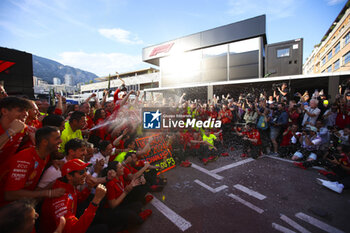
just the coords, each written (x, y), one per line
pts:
(246, 203)
(218, 189)
(220, 169)
(180, 222)
(207, 172)
(294, 224)
(281, 228)
(318, 223)
(250, 192)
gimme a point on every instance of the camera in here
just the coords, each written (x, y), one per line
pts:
(275, 86)
(306, 131)
(333, 153)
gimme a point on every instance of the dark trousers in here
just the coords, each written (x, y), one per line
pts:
(254, 149)
(227, 134)
(265, 138)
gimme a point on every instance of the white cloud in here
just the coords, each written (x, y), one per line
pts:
(101, 64)
(334, 2)
(120, 35)
(275, 9)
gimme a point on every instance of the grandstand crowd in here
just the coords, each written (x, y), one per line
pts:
(78, 168)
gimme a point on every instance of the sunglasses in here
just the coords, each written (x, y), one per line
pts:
(81, 172)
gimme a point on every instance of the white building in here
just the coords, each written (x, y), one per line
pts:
(134, 80)
(56, 81)
(68, 80)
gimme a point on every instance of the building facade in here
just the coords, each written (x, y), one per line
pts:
(56, 81)
(333, 52)
(284, 58)
(225, 53)
(135, 80)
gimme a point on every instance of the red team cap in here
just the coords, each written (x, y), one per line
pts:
(73, 165)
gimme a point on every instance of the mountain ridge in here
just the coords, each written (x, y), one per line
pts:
(46, 69)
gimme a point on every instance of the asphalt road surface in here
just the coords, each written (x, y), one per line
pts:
(246, 195)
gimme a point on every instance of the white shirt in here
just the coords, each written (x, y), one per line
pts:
(94, 159)
(312, 120)
(49, 176)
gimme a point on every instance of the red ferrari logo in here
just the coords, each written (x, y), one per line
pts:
(161, 49)
(4, 65)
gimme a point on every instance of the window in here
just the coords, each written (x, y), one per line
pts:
(323, 61)
(329, 55)
(347, 38)
(336, 64)
(346, 58)
(329, 69)
(283, 52)
(337, 48)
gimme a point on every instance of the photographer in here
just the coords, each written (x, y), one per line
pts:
(337, 161)
(342, 136)
(330, 115)
(310, 113)
(264, 128)
(310, 143)
(281, 93)
(278, 122)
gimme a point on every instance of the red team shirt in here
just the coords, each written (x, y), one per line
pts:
(226, 116)
(11, 147)
(24, 171)
(66, 205)
(115, 188)
(253, 134)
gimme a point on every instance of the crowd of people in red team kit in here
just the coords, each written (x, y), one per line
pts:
(77, 168)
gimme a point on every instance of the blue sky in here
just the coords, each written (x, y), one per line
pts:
(105, 36)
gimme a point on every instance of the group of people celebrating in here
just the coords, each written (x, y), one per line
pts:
(81, 165)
